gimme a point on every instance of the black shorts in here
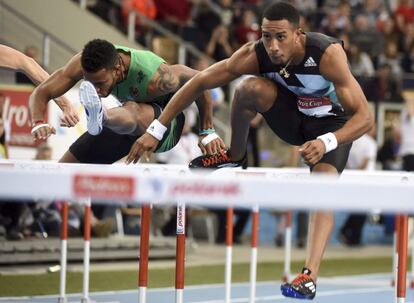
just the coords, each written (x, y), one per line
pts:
(109, 147)
(295, 128)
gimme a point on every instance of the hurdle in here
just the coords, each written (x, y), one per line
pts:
(197, 189)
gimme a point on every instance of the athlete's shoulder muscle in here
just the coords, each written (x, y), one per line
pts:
(73, 68)
(334, 64)
(244, 60)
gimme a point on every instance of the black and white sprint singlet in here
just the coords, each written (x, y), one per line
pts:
(316, 95)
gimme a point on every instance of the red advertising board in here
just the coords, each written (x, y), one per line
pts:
(17, 114)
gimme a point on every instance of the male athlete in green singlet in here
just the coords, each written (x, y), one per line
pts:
(141, 81)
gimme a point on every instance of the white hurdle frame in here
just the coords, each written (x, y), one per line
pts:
(199, 189)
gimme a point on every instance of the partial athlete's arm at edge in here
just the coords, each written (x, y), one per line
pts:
(335, 68)
(55, 86)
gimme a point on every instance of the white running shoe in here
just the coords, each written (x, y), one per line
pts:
(93, 107)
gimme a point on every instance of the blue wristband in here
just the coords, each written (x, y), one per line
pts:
(205, 132)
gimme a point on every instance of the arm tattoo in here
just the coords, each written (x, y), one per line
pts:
(167, 81)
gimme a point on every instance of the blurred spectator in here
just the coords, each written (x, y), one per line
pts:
(205, 22)
(384, 87)
(173, 14)
(404, 14)
(329, 24)
(143, 7)
(388, 154)
(406, 47)
(362, 156)
(389, 30)
(407, 136)
(361, 63)
(248, 29)
(242, 217)
(219, 46)
(32, 52)
(305, 7)
(373, 10)
(366, 37)
(109, 10)
(392, 58)
(337, 21)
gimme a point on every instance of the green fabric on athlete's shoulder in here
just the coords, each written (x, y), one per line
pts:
(141, 70)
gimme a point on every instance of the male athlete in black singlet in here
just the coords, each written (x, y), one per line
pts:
(308, 96)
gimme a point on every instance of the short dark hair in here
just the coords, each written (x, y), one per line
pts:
(98, 54)
(280, 11)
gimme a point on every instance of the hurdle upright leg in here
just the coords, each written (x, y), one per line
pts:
(288, 246)
(412, 254)
(180, 254)
(86, 251)
(395, 252)
(63, 252)
(144, 252)
(253, 257)
(402, 259)
(229, 253)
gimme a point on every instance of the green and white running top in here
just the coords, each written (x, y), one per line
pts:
(141, 70)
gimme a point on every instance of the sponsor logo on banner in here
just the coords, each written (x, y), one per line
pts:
(250, 173)
(180, 220)
(17, 115)
(308, 102)
(107, 187)
(203, 189)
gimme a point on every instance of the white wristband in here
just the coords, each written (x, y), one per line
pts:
(330, 141)
(207, 139)
(156, 129)
(38, 126)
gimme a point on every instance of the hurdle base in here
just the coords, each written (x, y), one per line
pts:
(392, 283)
(285, 279)
(62, 300)
(85, 300)
(412, 284)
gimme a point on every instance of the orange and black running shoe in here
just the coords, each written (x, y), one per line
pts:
(302, 287)
(219, 160)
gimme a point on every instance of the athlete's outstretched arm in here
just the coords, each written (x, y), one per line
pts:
(241, 62)
(56, 85)
(334, 67)
(13, 59)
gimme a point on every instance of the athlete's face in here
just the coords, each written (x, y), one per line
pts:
(104, 80)
(280, 38)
